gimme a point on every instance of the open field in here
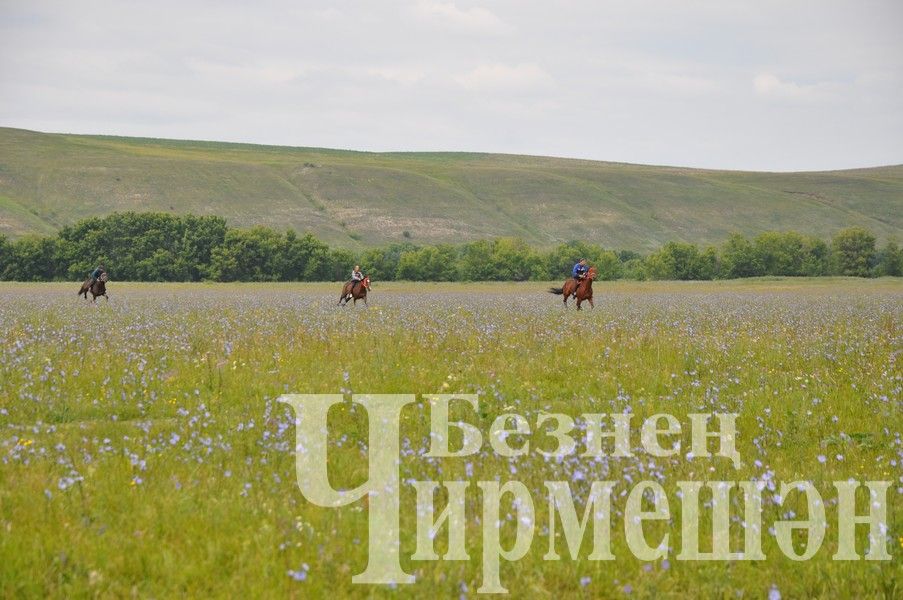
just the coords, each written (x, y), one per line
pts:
(142, 451)
(363, 199)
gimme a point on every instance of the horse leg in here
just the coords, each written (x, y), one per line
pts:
(591, 305)
(579, 301)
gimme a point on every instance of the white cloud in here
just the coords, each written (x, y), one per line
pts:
(269, 73)
(688, 85)
(402, 75)
(746, 84)
(471, 20)
(771, 86)
(519, 77)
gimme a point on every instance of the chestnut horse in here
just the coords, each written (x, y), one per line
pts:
(581, 290)
(97, 289)
(359, 291)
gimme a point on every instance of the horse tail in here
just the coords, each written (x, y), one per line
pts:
(555, 290)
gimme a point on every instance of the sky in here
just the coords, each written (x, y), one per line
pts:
(754, 85)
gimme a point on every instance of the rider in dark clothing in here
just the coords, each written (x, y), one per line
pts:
(96, 273)
(580, 269)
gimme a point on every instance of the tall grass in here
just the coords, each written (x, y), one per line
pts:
(142, 451)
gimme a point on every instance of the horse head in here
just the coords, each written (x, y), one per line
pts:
(103, 277)
(366, 282)
(591, 274)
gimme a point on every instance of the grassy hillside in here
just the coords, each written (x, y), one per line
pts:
(359, 198)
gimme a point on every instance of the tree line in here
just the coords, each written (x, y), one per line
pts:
(165, 247)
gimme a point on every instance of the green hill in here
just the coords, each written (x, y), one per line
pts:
(362, 199)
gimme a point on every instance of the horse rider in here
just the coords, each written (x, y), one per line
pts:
(356, 277)
(96, 273)
(579, 270)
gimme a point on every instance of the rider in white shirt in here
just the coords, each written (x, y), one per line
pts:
(356, 276)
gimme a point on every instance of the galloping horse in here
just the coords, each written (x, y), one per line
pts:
(359, 291)
(581, 290)
(98, 288)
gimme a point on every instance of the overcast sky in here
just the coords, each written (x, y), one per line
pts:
(760, 84)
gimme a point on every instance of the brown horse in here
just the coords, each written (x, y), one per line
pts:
(581, 290)
(355, 292)
(98, 288)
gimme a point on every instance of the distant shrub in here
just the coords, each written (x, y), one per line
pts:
(166, 247)
(890, 260)
(854, 252)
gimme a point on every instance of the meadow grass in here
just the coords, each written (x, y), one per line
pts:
(142, 451)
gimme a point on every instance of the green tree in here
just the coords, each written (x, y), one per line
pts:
(608, 266)
(430, 263)
(341, 262)
(780, 253)
(792, 254)
(680, 260)
(476, 261)
(634, 268)
(248, 255)
(6, 252)
(890, 260)
(854, 252)
(151, 246)
(740, 259)
(513, 260)
(816, 257)
(200, 236)
(161, 265)
(304, 258)
(33, 258)
(382, 263)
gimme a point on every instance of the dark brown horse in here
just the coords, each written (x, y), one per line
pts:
(355, 292)
(581, 290)
(98, 288)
